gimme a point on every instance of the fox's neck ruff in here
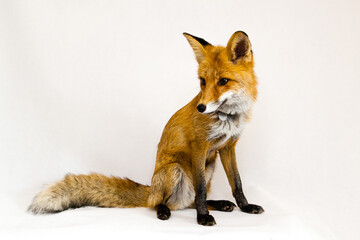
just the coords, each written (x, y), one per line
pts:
(231, 126)
(224, 116)
(230, 117)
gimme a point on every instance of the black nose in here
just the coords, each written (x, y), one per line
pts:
(201, 108)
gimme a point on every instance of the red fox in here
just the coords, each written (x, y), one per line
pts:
(209, 125)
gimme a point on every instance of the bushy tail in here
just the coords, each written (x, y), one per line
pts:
(90, 190)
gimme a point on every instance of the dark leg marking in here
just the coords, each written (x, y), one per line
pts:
(252, 208)
(243, 203)
(220, 205)
(163, 212)
(206, 220)
(203, 216)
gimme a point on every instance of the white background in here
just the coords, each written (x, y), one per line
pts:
(87, 86)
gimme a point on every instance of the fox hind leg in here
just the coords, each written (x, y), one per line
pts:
(171, 189)
(220, 205)
(163, 212)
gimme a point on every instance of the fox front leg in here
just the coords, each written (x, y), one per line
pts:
(228, 160)
(198, 171)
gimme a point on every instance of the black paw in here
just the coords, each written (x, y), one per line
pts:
(221, 205)
(163, 212)
(206, 220)
(252, 208)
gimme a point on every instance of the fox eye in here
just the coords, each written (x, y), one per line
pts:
(202, 81)
(223, 81)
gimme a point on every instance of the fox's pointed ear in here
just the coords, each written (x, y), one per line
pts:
(239, 47)
(198, 45)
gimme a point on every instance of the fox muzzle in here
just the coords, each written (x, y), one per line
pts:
(201, 108)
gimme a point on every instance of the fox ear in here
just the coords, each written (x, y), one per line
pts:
(198, 45)
(239, 47)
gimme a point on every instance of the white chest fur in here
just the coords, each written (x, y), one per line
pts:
(231, 127)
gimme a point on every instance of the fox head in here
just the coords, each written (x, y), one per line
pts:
(227, 79)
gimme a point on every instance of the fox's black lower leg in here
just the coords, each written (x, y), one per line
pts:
(198, 171)
(228, 159)
(163, 212)
(220, 205)
(243, 203)
(203, 216)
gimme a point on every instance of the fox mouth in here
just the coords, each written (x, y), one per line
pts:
(214, 106)
(223, 103)
(222, 114)
(211, 108)
(230, 103)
